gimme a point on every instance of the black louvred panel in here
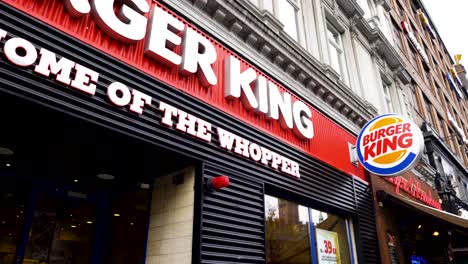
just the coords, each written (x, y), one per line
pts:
(233, 222)
(366, 229)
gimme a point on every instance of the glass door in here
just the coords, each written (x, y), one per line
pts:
(13, 200)
(61, 226)
(62, 229)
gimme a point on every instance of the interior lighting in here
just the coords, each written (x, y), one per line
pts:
(89, 222)
(8, 165)
(105, 176)
(6, 151)
(419, 226)
(73, 226)
(116, 215)
(75, 180)
(435, 233)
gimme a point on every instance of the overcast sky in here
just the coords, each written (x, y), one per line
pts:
(445, 14)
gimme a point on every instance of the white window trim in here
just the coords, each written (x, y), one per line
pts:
(298, 6)
(388, 97)
(344, 74)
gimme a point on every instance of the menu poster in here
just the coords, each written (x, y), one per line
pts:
(393, 251)
(327, 247)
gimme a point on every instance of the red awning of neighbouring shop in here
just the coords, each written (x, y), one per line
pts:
(455, 220)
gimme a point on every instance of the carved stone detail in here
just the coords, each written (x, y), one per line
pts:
(219, 15)
(236, 27)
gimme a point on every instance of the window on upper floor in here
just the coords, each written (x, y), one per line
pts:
(438, 91)
(412, 95)
(288, 12)
(388, 98)
(366, 6)
(288, 15)
(336, 52)
(428, 110)
(451, 140)
(442, 76)
(428, 53)
(427, 74)
(415, 6)
(414, 29)
(412, 55)
(441, 127)
(448, 106)
(413, 100)
(397, 36)
(400, 9)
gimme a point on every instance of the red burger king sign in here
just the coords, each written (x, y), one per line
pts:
(389, 145)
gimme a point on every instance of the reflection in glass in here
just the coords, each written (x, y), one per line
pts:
(128, 227)
(335, 225)
(287, 227)
(12, 211)
(289, 234)
(61, 231)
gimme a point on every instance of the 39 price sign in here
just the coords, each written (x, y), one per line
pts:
(327, 247)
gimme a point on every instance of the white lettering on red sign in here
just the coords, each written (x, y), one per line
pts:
(165, 32)
(267, 98)
(23, 54)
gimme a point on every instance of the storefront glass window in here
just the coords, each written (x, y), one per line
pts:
(129, 227)
(62, 230)
(82, 228)
(13, 199)
(300, 235)
(287, 232)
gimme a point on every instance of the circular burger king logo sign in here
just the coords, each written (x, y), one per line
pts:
(389, 145)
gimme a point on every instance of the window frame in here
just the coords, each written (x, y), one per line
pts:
(388, 97)
(339, 48)
(348, 222)
(298, 7)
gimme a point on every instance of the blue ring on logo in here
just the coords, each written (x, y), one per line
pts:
(383, 171)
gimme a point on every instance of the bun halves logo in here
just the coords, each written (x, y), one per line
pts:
(389, 145)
